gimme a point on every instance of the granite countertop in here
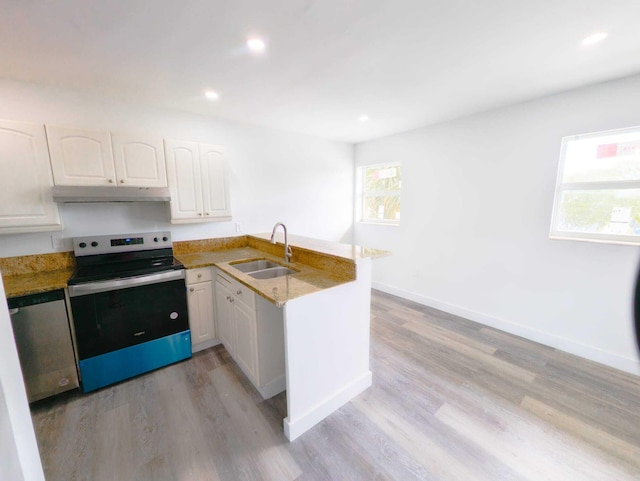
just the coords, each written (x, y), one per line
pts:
(36, 282)
(335, 249)
(279, 290)
(33, 274)
(320, 265)
(194, 260)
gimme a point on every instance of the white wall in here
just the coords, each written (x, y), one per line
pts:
(19, 457)
(303, 181)
(477, 195)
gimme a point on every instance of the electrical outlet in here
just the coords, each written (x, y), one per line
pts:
(238, 227)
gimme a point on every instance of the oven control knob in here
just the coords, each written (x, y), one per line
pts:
(82, 245)
(155, 239)
(165, 238)
(94, 244)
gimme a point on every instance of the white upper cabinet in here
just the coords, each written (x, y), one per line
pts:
(185, 183)
(198, 181)
(215, 179)
(80, 157)
(26, 204)
(86, 157)
(139, 160)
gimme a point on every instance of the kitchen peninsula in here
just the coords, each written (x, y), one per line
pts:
(324, 311)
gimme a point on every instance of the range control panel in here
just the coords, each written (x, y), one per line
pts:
(110, 244)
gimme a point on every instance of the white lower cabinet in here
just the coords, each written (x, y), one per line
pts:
(246, 336)
(252, 330)
(201, 312)
(224, 313)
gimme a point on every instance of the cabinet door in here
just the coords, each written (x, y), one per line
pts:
(139, 161)
(80, 157)
(215, 181)
(223, 317)
(26, 204)
(201, 321)
(185, 182)
(246, 336)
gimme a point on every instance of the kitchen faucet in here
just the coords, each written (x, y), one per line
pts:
(287, 249)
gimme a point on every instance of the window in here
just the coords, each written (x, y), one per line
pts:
(380, 193)
(598, 189)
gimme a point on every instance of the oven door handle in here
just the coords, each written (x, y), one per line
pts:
(105, 286)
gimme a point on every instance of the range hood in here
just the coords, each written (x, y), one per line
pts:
(70, 193)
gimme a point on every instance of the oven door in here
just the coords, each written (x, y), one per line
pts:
(116, 314)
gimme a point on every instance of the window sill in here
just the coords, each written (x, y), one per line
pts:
(387, 224)
(614, 241)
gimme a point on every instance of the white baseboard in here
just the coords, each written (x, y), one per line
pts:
(293, 429)
(205, 345)
(274, 387)
(588, 352)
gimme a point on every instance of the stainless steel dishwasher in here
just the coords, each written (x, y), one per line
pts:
(41, 330)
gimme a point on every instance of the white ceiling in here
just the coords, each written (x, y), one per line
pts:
(404, 63)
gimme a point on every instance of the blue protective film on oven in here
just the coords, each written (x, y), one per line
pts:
(124, 363)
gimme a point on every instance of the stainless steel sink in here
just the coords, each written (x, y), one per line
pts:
(272, 273)
(262, 269)
(252, 266)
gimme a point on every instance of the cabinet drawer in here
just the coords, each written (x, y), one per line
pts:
(223, 279)
(244, 294)
(201, 274)
(240, 292)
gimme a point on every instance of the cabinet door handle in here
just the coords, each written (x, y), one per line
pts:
(199, 213)
(121, 181)
(199, 276)
(191, 289)
(207, 213)
(111, 181)
(239, 293)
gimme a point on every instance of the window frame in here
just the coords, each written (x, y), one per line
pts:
(555, 233)
(361, 194)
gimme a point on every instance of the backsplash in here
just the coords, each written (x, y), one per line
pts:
(206, 245)
(11, 266)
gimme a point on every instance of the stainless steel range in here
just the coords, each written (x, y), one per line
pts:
(129, 306)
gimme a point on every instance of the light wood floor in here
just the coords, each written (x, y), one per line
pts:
(451, 400)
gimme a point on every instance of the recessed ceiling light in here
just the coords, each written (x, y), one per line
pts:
(363, 118)
(594, 39)
(211, 95)
(256, 44)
